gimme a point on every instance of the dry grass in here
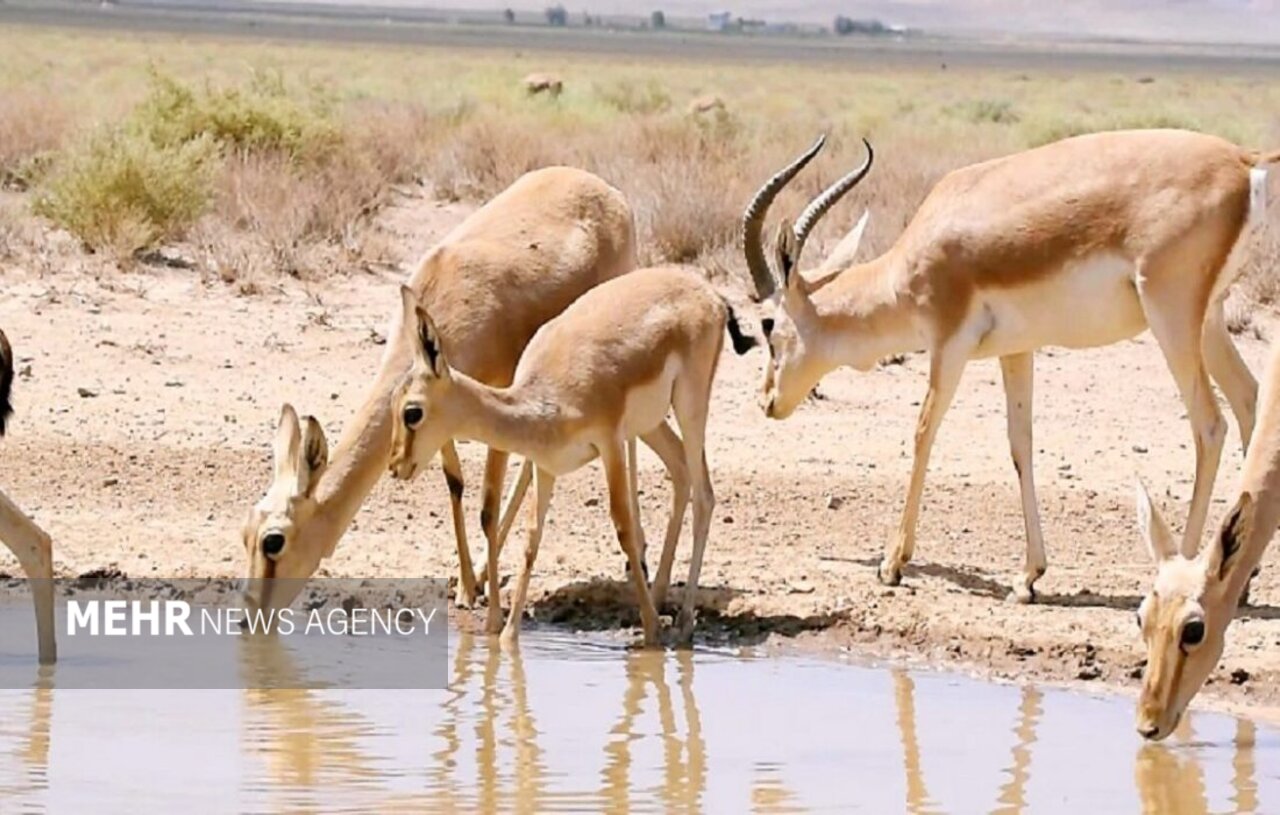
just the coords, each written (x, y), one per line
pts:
(32, 126)
(311, 138)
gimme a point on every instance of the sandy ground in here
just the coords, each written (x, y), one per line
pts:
(147, 402)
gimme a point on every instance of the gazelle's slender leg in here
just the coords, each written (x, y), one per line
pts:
(946, 364)
(613, 456)
(1222, 358)
(495, 470)
(1176, 321)
(1019, 379)
(691, 402)
(34, 549)
(544, 484)
(664, 441)
(634, 477)
(466, 594)
(511, 508)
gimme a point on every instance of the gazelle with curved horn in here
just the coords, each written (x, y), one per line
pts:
(491, 283)
(604, 372)
(1080, 243)
(1185, 616)
(29, 543)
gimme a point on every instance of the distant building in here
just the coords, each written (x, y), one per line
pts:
(719, 21)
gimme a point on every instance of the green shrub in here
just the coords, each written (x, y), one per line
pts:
(263, 115)
(988, 111)
(633, 97)
(122, 192)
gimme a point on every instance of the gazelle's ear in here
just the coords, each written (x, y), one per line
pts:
(287, 444)
(422, 334)
(1224, 551)
(313, 456)
(1154, 530)
(787, 248)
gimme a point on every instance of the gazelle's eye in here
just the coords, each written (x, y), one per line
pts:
(1192, 633)
(273, 544)
(412, 416)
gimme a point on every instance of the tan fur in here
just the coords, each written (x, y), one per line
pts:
(603, 373)
(1079, 243)
(491, 283)
(1211, 584)
(30, 544)
(543, 83)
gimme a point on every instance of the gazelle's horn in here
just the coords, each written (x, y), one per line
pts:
(826, 200)
(753, 221)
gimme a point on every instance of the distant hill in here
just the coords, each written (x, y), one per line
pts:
(1251, 21)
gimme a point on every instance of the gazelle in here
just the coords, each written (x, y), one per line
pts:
(28, 542)
(491, 283)
(593, 379)
(1080, 243)
(1184, 618)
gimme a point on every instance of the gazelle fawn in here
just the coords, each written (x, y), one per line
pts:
(603, 373)
(28, 542)
(491, 283)
(1080, 243)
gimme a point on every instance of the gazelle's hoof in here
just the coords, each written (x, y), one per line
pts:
(462, 600)
(889, 575)
(1022, 595)
(685, 623)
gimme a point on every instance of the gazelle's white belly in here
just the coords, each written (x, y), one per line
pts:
(647, 403)
(1089, 303)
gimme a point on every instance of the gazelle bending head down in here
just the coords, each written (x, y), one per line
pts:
(28, 542)
(490, 283)
(1184, 619)
(604, 372)
(1080, 243)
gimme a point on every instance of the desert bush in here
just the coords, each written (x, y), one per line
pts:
(634, 97)
(988, 111)
(263, 115)
(121, 192)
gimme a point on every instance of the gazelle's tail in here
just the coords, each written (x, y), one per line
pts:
(6, 380)
(742, 341)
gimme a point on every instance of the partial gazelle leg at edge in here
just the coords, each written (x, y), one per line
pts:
(34, 549)
(1238, 384)
(465, 597)
(544, 484)
(946, 364)
(495, 471)
(690, 402)
(664, 441)
(1019, 385)
(1176, 317)
(613, 457)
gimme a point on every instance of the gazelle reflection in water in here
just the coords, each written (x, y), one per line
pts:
(504, 728)
(309, 742)
(1170, 780)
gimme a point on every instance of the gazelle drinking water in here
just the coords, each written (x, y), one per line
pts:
(28, 542)
(1184, 619)
(491, 283)
(1080, 243)
(604, 372)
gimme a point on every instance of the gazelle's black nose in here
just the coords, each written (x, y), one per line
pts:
(1148, 732)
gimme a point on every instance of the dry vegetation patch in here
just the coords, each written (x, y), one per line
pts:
(273, 160)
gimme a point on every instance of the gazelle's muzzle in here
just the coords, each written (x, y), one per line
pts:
(403, 469)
